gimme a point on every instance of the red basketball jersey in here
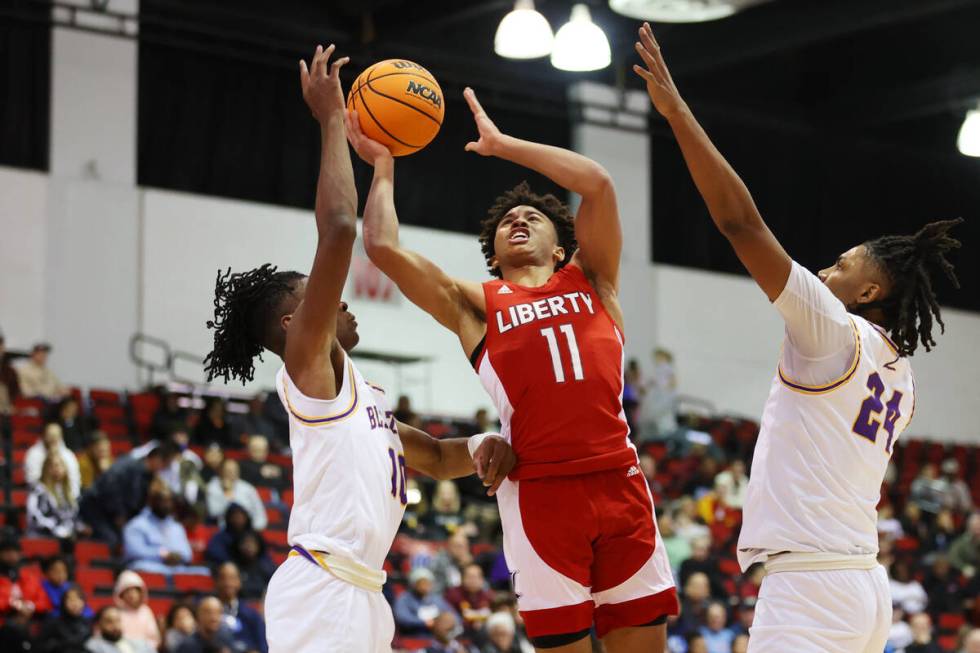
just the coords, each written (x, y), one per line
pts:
(552, 362)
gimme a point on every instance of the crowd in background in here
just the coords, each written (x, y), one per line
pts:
(449, 584)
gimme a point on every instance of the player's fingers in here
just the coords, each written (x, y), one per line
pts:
(644, 73)
(496, 457)
(650, 41)
(473, 103)
(317, 64)
(478, 462)
(471, 146)
(337, 65)
(325, 69)
(646, 56)
(304, 75)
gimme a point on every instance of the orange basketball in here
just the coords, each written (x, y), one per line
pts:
(399, 104)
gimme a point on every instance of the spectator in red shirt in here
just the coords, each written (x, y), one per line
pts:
(471, 599)
(21, 594)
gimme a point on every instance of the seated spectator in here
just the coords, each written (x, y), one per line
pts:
(694, 604)
(214, 455)
(444, 518)
(648, 465)
(943, 586)
(740, 644)
(888, 525)
(703, 561)
(180, 627)
(913, 523)
(119, 494)
(156, 542)
(74, 427)
(471, 599)
(56, 583)
(731, 486)
(254, 564)
(36, 379)
(109, 636)
(228, 488)
(169, 415)
(447, 565)
(943, 533)
(275, 412)
(212, 634)
(224, 543)
(246, 625)
(22, 594)
(50, 442)
(746, 614)
(137, 620)
(660, 406)
(964, 553)
(687, 521)
(703, 479)
(501, 634)
(418, 606)
(696, 643)
(254, 422)
(956, 493)
(403, 409)
(971, 641)
(9, 382)
(95, 460)
(213, 427)
(922, 642)
(67, 631)
(717, 637)
(257, 469)
(183, 475)
(52, 509)
(678, 548)
(444, 632)
(927, 490)
(906, 591)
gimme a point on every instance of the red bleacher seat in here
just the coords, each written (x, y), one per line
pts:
(99, 602)
(18, 498)
(906, 544)
(119, 447)
(154, 581)
(235, 454)
(87, 551)
(275, 518)
(26, 423)
(109, 413)
(193, 583)
(104, 397)
(28, 406)
(948, 642)
(39, 547)
(280, 459)
(160, 605)
(23, 439)
(287, 497)
(412, 643)
(951, 621)
(265, 494)
(276, 538)
(91, 577)
(278, 557)
(18, 476)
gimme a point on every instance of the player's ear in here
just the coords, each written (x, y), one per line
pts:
(285, 320)
(872, 291)
(559, 254)
(494, 263)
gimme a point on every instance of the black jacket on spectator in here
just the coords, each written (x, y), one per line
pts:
(120, 493)
(221, 642)
(709, 568)
(251, 471)
(945, 592)
(64, 634)
(931, 647)
(223, 544)
(208, 432)
(251, 628)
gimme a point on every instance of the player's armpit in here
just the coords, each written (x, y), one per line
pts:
(599, 234)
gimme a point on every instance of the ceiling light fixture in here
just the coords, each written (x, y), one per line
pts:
(968, 140)
(680, 11)
(580, 44)
(523, 33)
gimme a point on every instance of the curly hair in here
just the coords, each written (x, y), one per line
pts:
(908, 262)
(245, 304)
(552, 207)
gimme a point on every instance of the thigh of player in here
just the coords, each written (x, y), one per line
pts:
(841, 611)
(309, 610)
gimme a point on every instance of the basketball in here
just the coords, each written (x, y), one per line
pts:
(399, 104)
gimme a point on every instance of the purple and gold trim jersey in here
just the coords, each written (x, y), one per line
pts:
(823, 450)
(348, 469)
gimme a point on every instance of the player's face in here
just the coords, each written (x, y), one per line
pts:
(525, 237)
(854, 278)
(346, 323)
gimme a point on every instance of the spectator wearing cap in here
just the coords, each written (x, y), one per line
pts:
(67, 631)
(138, 621)
(119, 494)
(245, 624)
(52, 442)
(9, 381)
(228, 488)
(37, 379)
(154, 541)
(416, 608)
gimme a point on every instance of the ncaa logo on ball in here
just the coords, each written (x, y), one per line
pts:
(425, 93)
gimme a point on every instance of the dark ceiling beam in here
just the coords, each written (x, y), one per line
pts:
(955, 91)
(790, 25)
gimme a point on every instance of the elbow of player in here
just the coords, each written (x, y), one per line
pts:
(600, 181)
(732, 228)
(339, 225)
(378, 250)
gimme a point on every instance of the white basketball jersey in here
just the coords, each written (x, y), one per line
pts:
(822, 453)
(348, 469)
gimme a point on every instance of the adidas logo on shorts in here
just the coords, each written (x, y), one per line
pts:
(634, 470)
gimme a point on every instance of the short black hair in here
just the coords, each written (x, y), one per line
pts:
(52, 561)
(909, 262)
(245, 305)
(552, 207)
(101, 612)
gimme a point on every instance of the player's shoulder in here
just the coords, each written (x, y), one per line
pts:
(314, 412)
(878, 345)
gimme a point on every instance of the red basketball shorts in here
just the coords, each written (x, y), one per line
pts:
(585, 550)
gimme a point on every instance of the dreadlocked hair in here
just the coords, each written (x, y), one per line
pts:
(909, 262)
(243, 307)
(549, 205)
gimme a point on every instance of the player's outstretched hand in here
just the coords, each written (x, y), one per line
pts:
(369, 150)
(490, 136)
(660, 86)
(493, 460)
(321, 83)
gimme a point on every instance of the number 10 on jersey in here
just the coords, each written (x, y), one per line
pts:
(398, 476)
(556, 362)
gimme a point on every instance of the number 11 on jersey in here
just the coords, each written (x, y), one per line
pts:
(556, 362)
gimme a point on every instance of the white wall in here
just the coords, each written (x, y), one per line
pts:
(23, 214)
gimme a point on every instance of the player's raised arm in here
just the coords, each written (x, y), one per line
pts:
(729, 201)
(486, 454)
(314, 324)
(597, 228)
(422, 281)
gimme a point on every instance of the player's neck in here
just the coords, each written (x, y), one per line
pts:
(531, 276)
